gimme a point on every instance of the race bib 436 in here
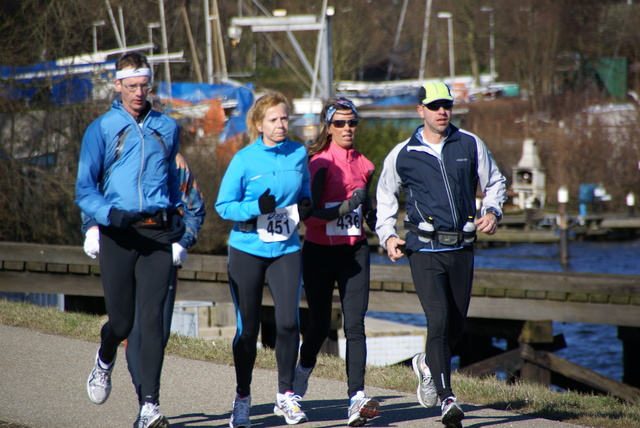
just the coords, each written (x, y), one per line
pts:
(279, 225)
(347, 225)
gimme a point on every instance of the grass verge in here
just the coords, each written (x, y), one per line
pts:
(521, 397)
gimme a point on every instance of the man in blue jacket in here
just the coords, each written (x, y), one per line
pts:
(439, 168)
(194, 214)
(128, 182)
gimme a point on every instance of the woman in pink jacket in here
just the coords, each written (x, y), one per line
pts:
(336, 251)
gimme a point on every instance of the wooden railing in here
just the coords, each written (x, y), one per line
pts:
(497, 294)
(518, 305)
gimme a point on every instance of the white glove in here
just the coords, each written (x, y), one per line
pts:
(179, 254)
(92, 242)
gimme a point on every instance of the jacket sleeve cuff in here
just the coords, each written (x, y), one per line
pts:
(495, 212)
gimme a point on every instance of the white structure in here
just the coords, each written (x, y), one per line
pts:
(186, 317)
(529, 178)
(388, 342)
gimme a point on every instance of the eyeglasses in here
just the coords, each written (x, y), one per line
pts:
(435, 106)
(341, 123)
(134, 88)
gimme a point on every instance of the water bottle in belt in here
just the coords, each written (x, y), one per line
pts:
(469, 231)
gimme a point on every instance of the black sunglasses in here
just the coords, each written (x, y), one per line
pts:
(341, 123)
(435, 106)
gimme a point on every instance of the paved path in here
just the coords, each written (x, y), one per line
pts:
(43, 384)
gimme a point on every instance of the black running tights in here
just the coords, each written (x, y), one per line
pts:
(443, 283)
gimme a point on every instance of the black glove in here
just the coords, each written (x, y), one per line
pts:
(357, 197)
(177, 228)
(305, 208)
(122, 219)
(370, 217)
(267, 202)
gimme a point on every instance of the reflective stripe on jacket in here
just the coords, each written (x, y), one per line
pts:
(439, 186)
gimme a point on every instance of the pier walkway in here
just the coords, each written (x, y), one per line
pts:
(43, 380)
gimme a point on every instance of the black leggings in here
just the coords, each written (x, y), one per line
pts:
(134, 339)
(135, 264)
(246, 279)
(443, 282)
(348, 265)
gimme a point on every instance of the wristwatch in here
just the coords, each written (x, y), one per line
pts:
(495, 212)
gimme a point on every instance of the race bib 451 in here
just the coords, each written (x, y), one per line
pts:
(279, 225)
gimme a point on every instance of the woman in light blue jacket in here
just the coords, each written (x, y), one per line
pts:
(266, 192)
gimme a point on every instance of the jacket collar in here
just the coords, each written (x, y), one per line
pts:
(260, 143)
(453, 135)
(340, 153)
(146, 112)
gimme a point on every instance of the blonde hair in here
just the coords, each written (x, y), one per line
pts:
(259, 109)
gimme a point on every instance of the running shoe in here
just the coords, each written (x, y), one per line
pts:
(150, 417)
(427, 395)
(301, 380)
(287, 407)
(99, 381)
(362, 408)
(452, 414)
(241, 411)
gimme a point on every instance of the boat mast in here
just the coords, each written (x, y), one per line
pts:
(425, 37)
(165, 50)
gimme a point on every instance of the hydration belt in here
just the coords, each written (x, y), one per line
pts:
(247, 226)
(159, 220)
(443, 237)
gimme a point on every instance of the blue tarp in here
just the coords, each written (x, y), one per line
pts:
(198, 92)
(61, 85)
(46, 81)
(398, 100)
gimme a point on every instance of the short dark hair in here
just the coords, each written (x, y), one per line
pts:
(132, 60)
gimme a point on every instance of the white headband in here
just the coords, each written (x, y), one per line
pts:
(133, 72)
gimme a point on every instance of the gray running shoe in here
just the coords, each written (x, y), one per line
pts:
(99, 382)
(452, 414)
(361, 409)
(427, 395)
(241, 411)
(150, 417)
(301, 380)
(287, 407)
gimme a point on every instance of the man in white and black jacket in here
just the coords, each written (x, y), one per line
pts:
(439, 169)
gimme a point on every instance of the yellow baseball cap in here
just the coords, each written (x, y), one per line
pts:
(434, 91)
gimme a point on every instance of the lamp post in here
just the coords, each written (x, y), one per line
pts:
(492, 43)
(95, 34)
(563, 224)
(631, 202)
(151, 26)
(448, 16)
(327, 74)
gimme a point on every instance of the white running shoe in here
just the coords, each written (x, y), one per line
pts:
(150, 417)
(99, 382)
(427, 394)
(287, 406)
(452, 414)
(301, 380)
(362, 408)
(241, 411)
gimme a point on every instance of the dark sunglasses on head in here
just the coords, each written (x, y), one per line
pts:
(435, 106)
(341, 123)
